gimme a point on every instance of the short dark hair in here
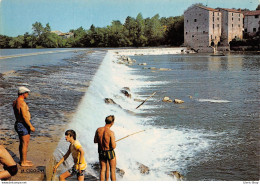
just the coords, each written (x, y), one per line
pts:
(72, 133)
(110, 119)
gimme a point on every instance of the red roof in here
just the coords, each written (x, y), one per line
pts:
(251, 13)
(206, 8)
(231, 10)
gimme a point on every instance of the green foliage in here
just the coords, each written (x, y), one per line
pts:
(134, 32)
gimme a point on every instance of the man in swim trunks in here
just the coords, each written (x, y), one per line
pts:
(10, 167)
(77, 152)
(23, 124)
(106, 145)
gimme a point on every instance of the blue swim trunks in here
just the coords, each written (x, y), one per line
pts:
(22, 128)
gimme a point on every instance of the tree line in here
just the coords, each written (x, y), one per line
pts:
(135, 32)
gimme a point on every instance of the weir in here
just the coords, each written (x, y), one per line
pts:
(155, 148)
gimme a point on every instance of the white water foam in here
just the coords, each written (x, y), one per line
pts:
(213, 101)
(162, 150)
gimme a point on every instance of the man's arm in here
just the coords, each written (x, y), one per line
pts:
(113, 142)
(61, 160)
(26, 115)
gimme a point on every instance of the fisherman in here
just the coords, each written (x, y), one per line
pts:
(77, 152)
(106, 145)
(10, 167)
(23, 124)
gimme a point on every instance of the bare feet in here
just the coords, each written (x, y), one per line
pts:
(28, 161)
(26, 164)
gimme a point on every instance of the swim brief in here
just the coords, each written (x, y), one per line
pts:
(107, 155)
(11, 169)
(22, 128)
(73, 172)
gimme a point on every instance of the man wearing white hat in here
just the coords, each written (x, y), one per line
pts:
(23, 125)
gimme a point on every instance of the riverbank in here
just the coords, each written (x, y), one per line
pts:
(56, 91)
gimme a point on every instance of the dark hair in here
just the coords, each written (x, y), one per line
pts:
(72, 133)
(110, 119)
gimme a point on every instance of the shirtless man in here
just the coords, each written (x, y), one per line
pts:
(106, 145)
(10, 167)
(23, 125)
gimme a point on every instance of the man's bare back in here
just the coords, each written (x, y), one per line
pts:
(105, 139)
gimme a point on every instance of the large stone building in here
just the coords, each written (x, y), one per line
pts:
(206, 27)
(202, 28)
(232, 25)
(251, 22)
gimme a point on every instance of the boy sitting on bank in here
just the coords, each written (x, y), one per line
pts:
(77, 152)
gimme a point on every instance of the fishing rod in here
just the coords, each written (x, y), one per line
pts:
(145, 100)
(130, 135)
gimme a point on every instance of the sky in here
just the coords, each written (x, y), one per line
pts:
(17, 16)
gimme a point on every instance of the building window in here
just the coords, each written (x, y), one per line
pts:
(218, 14)
(238, 25)
(239, 18)
(245, 30)
(195, 20)
(218, 18)
(213, 19)
(186, 32)
(232, 19)
(232, 25)
(232, 14)
(239, 15)
(254, 30)
(218, 25)
(192, 36)
(213, 26)
(204, 32)
(197, 28)
(256, 16)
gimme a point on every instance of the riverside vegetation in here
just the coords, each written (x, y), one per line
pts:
(135, 32)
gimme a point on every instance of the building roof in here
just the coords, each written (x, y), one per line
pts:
(251, 13)
(231, 10)
(207, 8)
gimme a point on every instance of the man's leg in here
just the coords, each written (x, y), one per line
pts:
(23, 148)
(103, 164)
(64, 176)
(4, 175)
(112, 164)
(107, 171)
(81, 178)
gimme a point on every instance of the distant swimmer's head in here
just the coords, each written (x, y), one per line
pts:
(70, 133)
(23, 90)
(110, 119)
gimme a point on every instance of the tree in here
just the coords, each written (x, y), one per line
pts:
(4, 41)
(258, 7)
(16, 42)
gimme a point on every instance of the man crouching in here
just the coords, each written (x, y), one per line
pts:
(77, 152)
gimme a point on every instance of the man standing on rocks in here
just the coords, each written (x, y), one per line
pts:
(106, 145)
(23, 124)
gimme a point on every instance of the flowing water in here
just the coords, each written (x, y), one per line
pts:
(213, 135)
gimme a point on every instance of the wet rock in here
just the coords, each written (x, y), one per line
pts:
(128, 95)
(167, 99)
(143, 168)
(138, 100)
(109, 101)
(120, 172)
(177, 101)
(164, 69)
(142, 64)
(176, 175)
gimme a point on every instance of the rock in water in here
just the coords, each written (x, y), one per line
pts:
(143, 169)
(109, 101)
(166, 99)
(176, 175)
(126, 93)
(178, 101)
